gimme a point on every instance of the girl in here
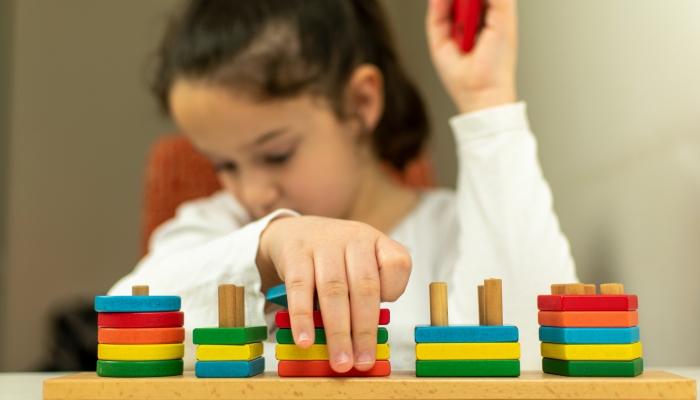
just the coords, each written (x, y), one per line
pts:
(299, 103)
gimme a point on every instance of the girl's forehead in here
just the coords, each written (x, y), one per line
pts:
(211, 114)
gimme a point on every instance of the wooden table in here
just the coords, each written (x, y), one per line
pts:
(401, 384)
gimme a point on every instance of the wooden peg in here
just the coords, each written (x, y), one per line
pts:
(612, 288)
(589, 289)
(438, 304)
(559, 288)
(227, 306)
(480, 290)
(139, 290)
(575, 288)
(240, 306)
(493, 302)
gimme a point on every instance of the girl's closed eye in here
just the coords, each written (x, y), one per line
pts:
(278, 158)
(225, 166)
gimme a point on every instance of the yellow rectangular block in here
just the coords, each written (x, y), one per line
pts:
(468, 351)
(227, 352)
(592, 352)
(317, 352)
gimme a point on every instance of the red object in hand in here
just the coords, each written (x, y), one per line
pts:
(282, 318)
(466, 21)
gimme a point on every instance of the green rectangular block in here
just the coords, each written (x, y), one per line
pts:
(284, 336)
(239, 335)
(593, 368)
(467, 368)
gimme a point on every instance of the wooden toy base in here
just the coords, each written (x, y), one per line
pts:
(400, 384)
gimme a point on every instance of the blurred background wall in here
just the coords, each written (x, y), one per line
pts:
(81, 123)
(613, 95)
(5, 78)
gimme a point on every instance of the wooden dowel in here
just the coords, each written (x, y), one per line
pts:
(575, 288)
(480, 290)
(438, 304)
(612, 288)
(589, 289)
(240, 306)
(493, 302)
(559, 288)
(227, 306)
(139, 290)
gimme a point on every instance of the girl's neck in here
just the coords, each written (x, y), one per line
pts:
(381, 202)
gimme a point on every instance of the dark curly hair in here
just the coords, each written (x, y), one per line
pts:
(283, 48)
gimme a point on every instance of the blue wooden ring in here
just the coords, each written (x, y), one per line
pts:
(278, 295)
(137, 303)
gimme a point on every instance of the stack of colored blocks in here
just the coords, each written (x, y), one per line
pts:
(231, 350)
(465, 350)
(139, 335)
(594, 335)
(314, 361)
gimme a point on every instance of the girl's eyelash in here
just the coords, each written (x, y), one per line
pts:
(224, 167)
(278, 158)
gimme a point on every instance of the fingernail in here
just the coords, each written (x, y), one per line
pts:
(303, 337)
(341, 358)
(364, 358)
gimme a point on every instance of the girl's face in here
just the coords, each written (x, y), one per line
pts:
(291, 153)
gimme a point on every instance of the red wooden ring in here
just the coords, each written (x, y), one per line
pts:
(282, 318)
(323, 368)
(171, 319)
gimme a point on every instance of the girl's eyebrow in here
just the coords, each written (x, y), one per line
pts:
(269, 136)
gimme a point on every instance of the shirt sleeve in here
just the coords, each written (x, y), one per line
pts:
(508, 228)
(205, 245)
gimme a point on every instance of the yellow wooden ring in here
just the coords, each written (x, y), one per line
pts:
(318, 352)
(140, 352)
(468, 351)
(229, 352)
(592, 352)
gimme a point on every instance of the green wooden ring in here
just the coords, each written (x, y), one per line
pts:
(133, 369)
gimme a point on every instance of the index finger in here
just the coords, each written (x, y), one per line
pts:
(438, 22)
(300, 298)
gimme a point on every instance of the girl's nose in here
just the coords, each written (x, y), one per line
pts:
(259, 192)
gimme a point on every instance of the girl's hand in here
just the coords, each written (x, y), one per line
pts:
(485, 77)
(351, 265)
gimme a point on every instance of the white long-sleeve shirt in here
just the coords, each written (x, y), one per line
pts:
(499, 224)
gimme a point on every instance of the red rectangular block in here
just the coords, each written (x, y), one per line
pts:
(282, 319)
(588, 319)
(323, 368)
(588, 302)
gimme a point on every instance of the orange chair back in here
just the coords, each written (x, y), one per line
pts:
(176, 173)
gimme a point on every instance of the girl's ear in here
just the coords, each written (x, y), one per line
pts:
(365, 95)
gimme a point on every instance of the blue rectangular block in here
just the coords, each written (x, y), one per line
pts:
(229, 369)
(589, 335)
(465, 334)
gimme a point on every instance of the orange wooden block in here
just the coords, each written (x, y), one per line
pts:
(140, 335)
(588, 319)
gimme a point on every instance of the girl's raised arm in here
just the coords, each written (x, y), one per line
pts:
(508, 228)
